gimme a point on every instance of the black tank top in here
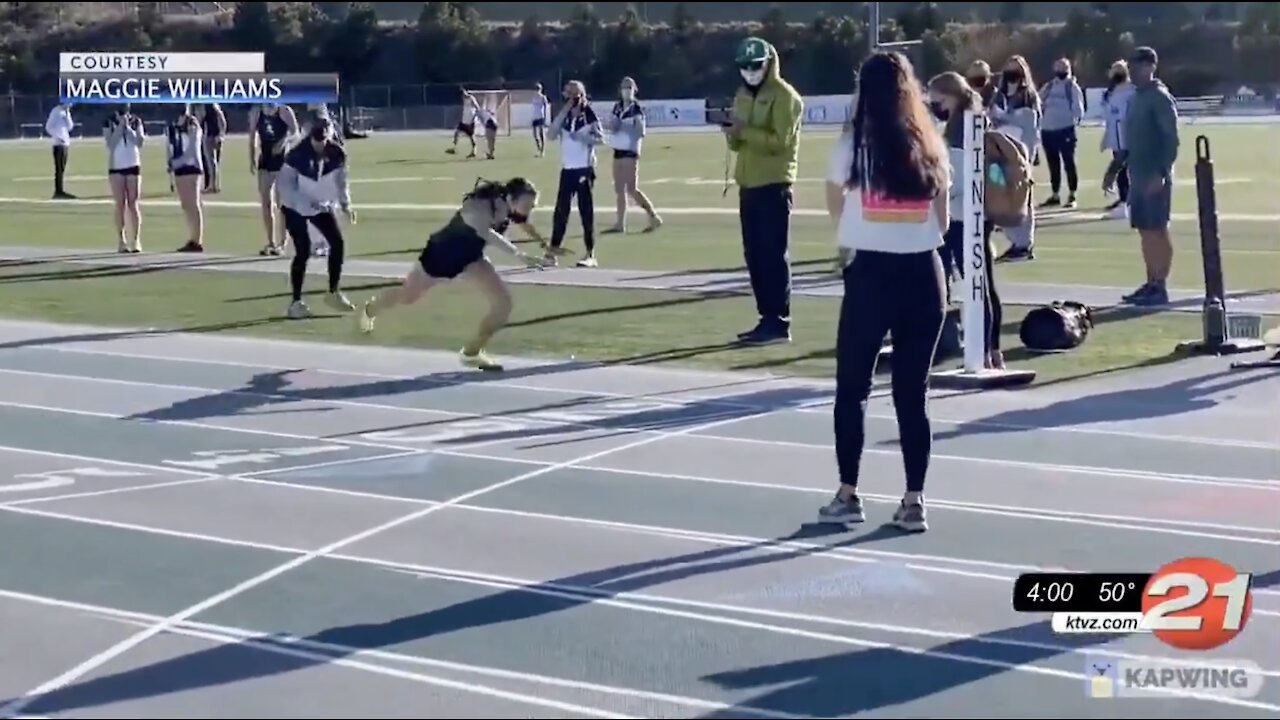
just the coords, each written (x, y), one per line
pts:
(456, 232)
(209, 123)
(271, 128)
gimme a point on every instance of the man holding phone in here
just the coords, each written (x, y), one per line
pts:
(764, 130)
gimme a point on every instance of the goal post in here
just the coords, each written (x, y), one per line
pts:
(497, 102)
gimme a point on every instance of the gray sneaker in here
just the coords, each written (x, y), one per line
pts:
(840, 512)
(911, 518)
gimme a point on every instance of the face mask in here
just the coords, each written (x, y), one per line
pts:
(518, 217)
(1118, 78)
(319, 134)
(977, 83)
(1062, 74)
(1012, 76)
(939, 111)
(752, 77)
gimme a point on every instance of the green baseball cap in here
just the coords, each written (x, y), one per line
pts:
(753, 52)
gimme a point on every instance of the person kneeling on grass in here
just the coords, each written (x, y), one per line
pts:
(458, 250)
(312, 182)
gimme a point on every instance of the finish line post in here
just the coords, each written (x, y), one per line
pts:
(973, 178)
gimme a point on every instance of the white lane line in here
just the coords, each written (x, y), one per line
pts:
(100, 659)
(1024, 512)
(726, 400)
(523, 417)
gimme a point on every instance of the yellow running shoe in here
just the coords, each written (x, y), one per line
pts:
(481, 361)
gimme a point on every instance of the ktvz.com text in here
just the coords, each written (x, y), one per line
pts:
(1069, 623)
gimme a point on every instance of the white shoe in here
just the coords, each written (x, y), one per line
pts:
(338, 301)
(365, 319)
(298, 310)
(1119, 212)
(320, 251)
(588, 262)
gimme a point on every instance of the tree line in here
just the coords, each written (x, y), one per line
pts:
(451, 45)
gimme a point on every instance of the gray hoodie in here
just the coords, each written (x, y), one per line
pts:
(1062, 104)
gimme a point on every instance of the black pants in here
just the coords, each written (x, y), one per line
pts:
(579, 182)
(296, 225)
(1060, 147)
(765, 215)
(953, 266)
(899, 294)
(1121, 170)
(60, 153)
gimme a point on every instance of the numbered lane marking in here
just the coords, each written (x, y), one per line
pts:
(212, 460)
(62, 478)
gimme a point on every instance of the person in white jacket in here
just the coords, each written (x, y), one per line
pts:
(626, 126)
(124, 134)
(58, 126)
(1115, 106)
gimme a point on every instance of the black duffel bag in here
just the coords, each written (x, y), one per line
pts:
(1057, 327)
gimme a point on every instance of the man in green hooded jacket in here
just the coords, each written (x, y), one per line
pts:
(765, 133)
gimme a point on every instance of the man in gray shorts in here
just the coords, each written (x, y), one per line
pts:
(1151, 130)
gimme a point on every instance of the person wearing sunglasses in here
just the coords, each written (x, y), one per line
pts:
(764, 130)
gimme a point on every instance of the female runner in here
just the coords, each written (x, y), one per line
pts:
(458, 250)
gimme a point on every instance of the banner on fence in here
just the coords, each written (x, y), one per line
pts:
(827, 109)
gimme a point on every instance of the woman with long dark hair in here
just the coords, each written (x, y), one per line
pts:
(458, 250)
(950, 97)
(888, 183)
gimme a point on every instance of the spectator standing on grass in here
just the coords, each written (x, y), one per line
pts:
(765, 133)
(214, 123)
(124, 135)
(1063, 102)
(1150, 132)
(1115, 105)
(1016, 111)
(979, 78)
(59, 126)
(888, 183)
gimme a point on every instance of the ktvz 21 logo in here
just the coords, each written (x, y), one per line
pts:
(1196, 603)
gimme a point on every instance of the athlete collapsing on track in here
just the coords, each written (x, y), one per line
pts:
(458, 250)
(312, 181)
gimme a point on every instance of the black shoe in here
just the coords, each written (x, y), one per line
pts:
(1071, 202)
(1156, 295)
(1053, 201)
(1142, 290)
(753, 331)
(1015, 254)
(766, 335)
(63, 195)
(191, 247)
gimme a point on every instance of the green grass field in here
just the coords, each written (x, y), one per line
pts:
(399, 178)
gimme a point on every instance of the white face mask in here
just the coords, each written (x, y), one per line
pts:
(753, 77)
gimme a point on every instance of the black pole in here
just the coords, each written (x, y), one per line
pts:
(1215, 313)
(1215, 340)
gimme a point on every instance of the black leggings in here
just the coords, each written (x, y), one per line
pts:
(296, 225)
(1121, 170)
(1060, 147)
(59, 167)
(953, 265)
(578, 181)
(901, 295)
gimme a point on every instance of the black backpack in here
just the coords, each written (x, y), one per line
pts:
(1057, 327)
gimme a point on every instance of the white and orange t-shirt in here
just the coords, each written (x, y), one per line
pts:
(871, 221)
